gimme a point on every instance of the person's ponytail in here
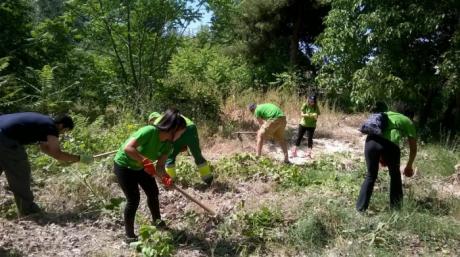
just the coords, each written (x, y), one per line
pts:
(171, 121)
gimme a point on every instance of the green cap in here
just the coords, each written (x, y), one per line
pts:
(153, 116)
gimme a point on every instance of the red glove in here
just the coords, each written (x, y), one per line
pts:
(149, 167)
(167, 180)
(382, 162)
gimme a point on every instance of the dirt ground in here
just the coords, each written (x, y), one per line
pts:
(99, 234)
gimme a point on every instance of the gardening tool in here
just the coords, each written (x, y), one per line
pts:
(239, 133)
(151, 170)
(193, 199)
(105, 154)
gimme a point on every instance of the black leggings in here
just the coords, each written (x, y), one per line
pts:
(301, 132)
(375, 148)
(129, 181)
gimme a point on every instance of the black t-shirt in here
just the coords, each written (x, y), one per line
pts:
(27, 127)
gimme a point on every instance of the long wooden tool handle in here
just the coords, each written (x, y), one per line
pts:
(245, 132)
(105, 154)
(193, 199)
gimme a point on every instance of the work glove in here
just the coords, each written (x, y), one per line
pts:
(167, 181)
(149, 167)
(205, 173)
(382, 162)
(171, 170)
(86, 158)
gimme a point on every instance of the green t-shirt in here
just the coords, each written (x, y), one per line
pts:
(149, 145)
(399, 126)
(309, 122)
(188, 121)
(268, 111)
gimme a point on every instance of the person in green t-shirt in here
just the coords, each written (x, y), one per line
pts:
(190, 140)
(272, 123)
(133, 166)
(309, 113)
(385, 149)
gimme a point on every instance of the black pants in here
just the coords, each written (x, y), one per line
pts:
(375, 148)
(129, 181)
(301, 132)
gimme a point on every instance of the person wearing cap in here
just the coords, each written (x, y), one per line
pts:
(190, 140)
(309, 116)
(25, 128)
(272, 123)
(385, 149)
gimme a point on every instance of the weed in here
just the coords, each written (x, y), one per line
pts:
(8, 209)
(436, 160)
(153, 243)
(259, 226)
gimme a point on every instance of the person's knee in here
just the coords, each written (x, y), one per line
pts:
(260, 136)
(371, 177)
(133, 201)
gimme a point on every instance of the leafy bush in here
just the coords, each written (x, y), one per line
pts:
(259, 225)
(194, 99)
(153, 243)
(209, 66)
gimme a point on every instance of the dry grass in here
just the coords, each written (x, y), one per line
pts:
(332, 123)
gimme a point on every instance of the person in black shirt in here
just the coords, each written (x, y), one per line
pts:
(19, 129)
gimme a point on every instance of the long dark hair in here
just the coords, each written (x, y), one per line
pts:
(171, 121)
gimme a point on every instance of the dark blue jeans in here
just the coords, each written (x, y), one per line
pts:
(375, 148)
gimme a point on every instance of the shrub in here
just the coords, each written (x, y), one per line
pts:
(153, 243)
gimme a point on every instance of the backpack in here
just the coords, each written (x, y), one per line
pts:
(375, 124)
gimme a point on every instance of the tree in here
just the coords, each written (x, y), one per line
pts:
(138, 36)
(390, 50)
(275, 34)
(15, 26)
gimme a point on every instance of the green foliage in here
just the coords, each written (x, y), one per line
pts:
(8, 210)
(310, 232)
(153, 243)
(208, 65)
(435, 160)
(187, 173)
(260, 226)
(390, 51)
(293, 82)
(194, 99)
(138, 37)
(271, 35)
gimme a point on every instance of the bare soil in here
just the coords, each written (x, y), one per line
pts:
(75, 233)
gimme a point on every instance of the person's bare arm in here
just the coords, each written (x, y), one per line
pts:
(260, 121)
(51, 147)
(160, 165)
(259, 143)
(131, 150)
(412, 151)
